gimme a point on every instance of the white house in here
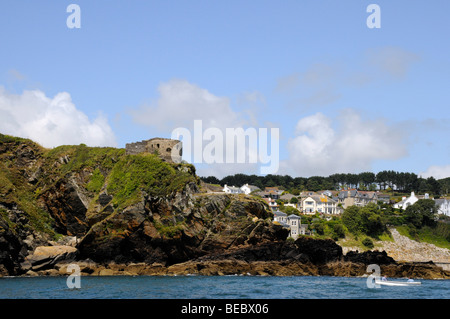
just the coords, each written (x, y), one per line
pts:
(232, 189)
(405, 202)
(320, 204)
(247, 189)
(279, 216)
(443, 206)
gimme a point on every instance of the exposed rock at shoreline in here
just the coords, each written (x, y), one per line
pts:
(304, 257)
(255, 268)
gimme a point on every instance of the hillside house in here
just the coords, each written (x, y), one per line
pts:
(232, 189)
(293, 222)
(320, 204)
(247, 189)
(358, 198)
(407, 201)
(443, 206)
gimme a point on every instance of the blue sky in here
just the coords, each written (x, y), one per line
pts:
(346, 98)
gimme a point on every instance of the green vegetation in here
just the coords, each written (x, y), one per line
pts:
(144, 172)
(367, 242)
(421, 224)
(78, 157)
(170, 230)
(364, 220)
(96, 182)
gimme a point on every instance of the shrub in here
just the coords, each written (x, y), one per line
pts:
(367, 242)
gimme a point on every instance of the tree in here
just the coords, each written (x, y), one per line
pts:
(366, 220)
(421, 213)
(434, 185)
(381, 179)
(313, 185)
(371, 221)
(338, 230)
(352, 219)
(367, 178)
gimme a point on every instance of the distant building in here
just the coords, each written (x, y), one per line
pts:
(247, 189)
(443, 206)
(358, 198)
(406, 201)
(272, 192)
(293, 222)
(272, 203)
(167, 149)
(384, 198)
(232, 189)
(320, 204)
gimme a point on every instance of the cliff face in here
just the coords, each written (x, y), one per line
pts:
(179, 228)
(122, 208)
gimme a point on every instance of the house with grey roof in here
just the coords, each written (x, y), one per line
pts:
(319, 204)
(247, 189)
(232, 189)
(355, 197)
(293, 222)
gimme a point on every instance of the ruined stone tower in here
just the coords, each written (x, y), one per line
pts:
(167, 149)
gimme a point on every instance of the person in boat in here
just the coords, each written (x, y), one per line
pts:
(410, 279)
(384, 278)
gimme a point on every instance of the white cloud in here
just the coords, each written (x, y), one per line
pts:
(181, 102)
(51, 121)
(352, 145)
(437, 172)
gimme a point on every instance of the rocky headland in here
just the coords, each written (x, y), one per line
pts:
(118, 214)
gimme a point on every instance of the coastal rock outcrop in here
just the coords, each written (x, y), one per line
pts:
(45, 257)
(172, 230)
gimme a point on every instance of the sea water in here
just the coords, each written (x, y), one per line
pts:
(215, 287)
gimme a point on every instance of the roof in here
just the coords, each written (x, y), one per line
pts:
(232, 187)
(287, 196)
(294, 216)
(252, 187)
(441, 201)
(322, 199)
(284, 224)
(279, 213)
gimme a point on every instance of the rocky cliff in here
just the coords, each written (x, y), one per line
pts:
(120, 208)
(114, 213)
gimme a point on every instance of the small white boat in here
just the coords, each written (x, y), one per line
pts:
(397, 283)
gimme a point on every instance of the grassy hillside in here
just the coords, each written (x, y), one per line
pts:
(30, 175)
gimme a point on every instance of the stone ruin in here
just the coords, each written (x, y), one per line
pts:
(167, 149)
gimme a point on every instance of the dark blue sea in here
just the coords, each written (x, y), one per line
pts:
(215, 287)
